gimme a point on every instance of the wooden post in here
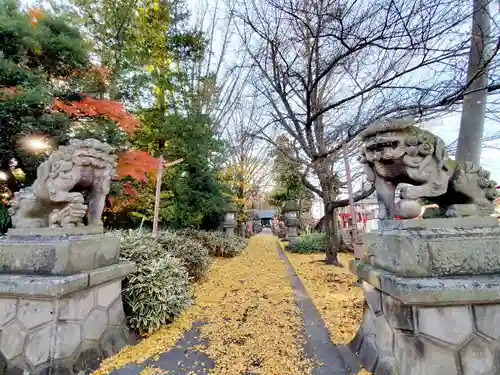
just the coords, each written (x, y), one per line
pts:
(355, 239)
(159, 176)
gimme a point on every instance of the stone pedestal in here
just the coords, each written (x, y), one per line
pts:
(432, 298)
(61, 308)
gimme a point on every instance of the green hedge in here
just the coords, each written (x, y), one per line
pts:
(217, 243)
(191, 252)
(158, 291)
(309, 243)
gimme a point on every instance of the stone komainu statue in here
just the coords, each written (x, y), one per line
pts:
(397, 152)
(55, 199)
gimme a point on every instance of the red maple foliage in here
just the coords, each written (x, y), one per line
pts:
(90, 107)
(34, 14)
(137, 164)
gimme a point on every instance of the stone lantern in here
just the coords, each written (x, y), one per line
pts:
(283, 228)
(290, 210)
(230, 220)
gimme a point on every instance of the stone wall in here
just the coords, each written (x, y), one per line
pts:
(62, 324)
(412, 340)
(432, 298)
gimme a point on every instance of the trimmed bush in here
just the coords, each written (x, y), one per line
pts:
(138, 246)
(309, 243)
(191, 252)
(217, 243)
(158, 291)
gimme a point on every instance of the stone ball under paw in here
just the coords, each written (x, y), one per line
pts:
(408, 209)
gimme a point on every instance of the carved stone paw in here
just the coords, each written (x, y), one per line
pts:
(69, 216)
(408, 209)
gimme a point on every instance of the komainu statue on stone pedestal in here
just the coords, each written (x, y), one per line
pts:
(398, 152)
(55, 199)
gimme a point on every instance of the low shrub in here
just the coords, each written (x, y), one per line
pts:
(309, 243)
(190, 251)
(217, 243)
(158, 291)
(138, 246)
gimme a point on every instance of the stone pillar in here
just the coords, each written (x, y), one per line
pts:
(61, 308)
(283, 228)
(290, 209)
(230, 221)
(432, 297)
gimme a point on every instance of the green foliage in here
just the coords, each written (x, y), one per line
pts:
(217, 243)
(158, 291)
(4, 218)
(310, 243)
(196, 193)
(30, 56)
(287, 177)
(104, 130)
(191, 252)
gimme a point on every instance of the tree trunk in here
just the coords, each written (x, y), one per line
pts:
(331, 225)
(333, 243)
(470, 136)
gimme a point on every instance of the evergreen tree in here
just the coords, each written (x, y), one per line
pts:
(38, 53)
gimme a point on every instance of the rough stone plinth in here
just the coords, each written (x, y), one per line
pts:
(62, 324)
(428, 326)
(436, 247)
(58, 254)
(432, 298)
(83, 229)
(433, 290)
(397, 338)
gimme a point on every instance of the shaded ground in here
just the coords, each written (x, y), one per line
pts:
(182, 359)
(332, 359)
(261, 321)
(333, 291)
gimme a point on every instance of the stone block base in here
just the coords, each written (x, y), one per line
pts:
(437, 332)
(436, 247)
(57, 251)
(61, 324)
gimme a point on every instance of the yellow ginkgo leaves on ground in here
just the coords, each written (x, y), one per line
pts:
(333, 291)
(253, 323)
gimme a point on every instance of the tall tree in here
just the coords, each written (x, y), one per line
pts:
(470, 138)
(152, 53)
(222, 75)
(245, 167)
(326, 69)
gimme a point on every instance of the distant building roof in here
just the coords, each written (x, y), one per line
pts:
(266, 214)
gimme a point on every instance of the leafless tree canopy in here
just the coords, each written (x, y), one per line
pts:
(328, 68)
